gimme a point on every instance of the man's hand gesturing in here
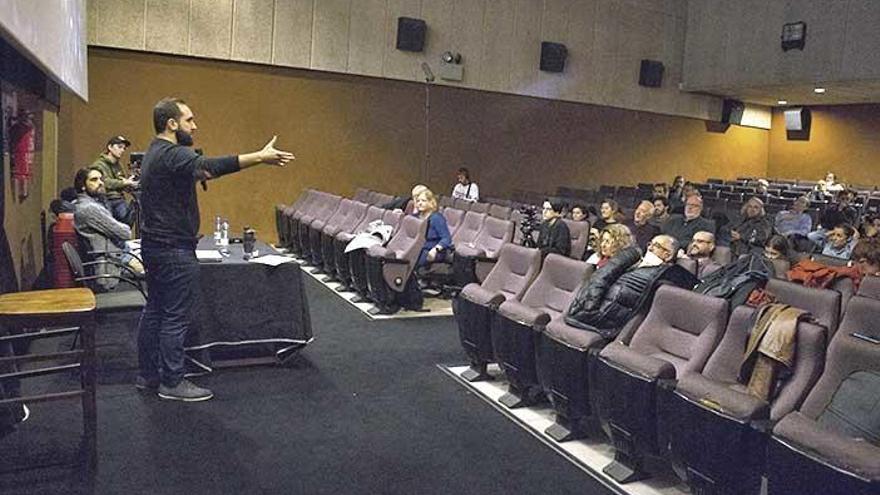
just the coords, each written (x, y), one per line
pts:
(272, 156)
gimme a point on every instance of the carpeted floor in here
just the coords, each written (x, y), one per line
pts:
(364, 409)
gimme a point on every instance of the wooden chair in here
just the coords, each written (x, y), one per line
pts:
(28, 316)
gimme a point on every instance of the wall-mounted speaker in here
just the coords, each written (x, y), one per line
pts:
(651, 74)
(732, 111)
(797, 119)
(411, 34)
(553, 56)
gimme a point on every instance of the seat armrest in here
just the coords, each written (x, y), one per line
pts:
(381, 252)
(720, 397)
(478, 295)
(469, 251)
(624, 357)
(524, 315)
(848, 454)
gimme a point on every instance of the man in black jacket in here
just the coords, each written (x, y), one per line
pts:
(617, 291)
(683, 227)
(170, 232)
(554, 236)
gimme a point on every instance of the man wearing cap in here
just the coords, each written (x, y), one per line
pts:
(116, 180)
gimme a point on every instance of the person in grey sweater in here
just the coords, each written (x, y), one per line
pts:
(97, 227)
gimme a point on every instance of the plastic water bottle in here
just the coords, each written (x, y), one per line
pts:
(224, 233)
(218, 226)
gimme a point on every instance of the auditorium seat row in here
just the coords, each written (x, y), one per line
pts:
(668, 385)
(318, 227)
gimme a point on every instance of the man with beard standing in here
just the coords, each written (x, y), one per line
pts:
(170, 214)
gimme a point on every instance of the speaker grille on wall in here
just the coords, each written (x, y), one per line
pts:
(411, 34)
(553, 56)
(797, 119)
(651, 74)
(732, 111)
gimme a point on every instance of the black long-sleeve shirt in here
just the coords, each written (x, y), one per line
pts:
(170, 207)
(554, 238)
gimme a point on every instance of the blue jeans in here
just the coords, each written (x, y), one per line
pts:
(173, 284)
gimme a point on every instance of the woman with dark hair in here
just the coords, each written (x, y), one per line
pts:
(465, 188)
(609, 213)
(776, 248)
(554, 236)
(579, 213)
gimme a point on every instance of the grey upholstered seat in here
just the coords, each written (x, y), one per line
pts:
(517, 324)
(711, 417)
(454, 219)
(389, 267)
(823, 304)
(342, 262)
(680, 331)
(352, 216)
(580, 237)
(486, 245)
(499, 211)
(473, 307)
(821, 448)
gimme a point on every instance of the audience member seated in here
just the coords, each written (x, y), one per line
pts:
(700, 250)
(438, 241)
(614, 239)
(609, 213)
(465, 189)
(795, 221)
(870, 226)
(840, 243)
(642, 230)
(661, 211)
(866, 256)
(761, 186)
(660, 190)
(829, 186)
(838, 213)
(104, 234)
(676, 195)
(683, 227)
(776, 248)
(554, 236)
(753, 231)
(579, 213)
(616, 291)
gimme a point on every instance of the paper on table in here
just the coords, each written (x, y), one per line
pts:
(271, 260)
(208, 255)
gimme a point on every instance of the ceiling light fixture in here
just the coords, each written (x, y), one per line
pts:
(819, 91)
(782, 102)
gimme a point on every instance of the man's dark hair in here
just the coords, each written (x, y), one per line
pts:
(663, 199)
(557, 204)
(79, 181)
(167, 108)
(465, 172)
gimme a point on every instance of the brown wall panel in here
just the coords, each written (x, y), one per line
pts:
(349, 131)
(843, 139)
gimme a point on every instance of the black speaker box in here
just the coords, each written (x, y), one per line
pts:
(553, 56)
(651, 74)
(411, 34)
(732, 111)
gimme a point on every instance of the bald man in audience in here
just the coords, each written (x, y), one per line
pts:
(641, 227)
(683, 227)
(700, 250)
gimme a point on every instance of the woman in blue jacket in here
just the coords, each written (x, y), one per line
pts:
(438, 242)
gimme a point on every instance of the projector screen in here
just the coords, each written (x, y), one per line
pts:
(52, 34)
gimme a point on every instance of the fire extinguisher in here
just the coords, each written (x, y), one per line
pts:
(22, 138)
